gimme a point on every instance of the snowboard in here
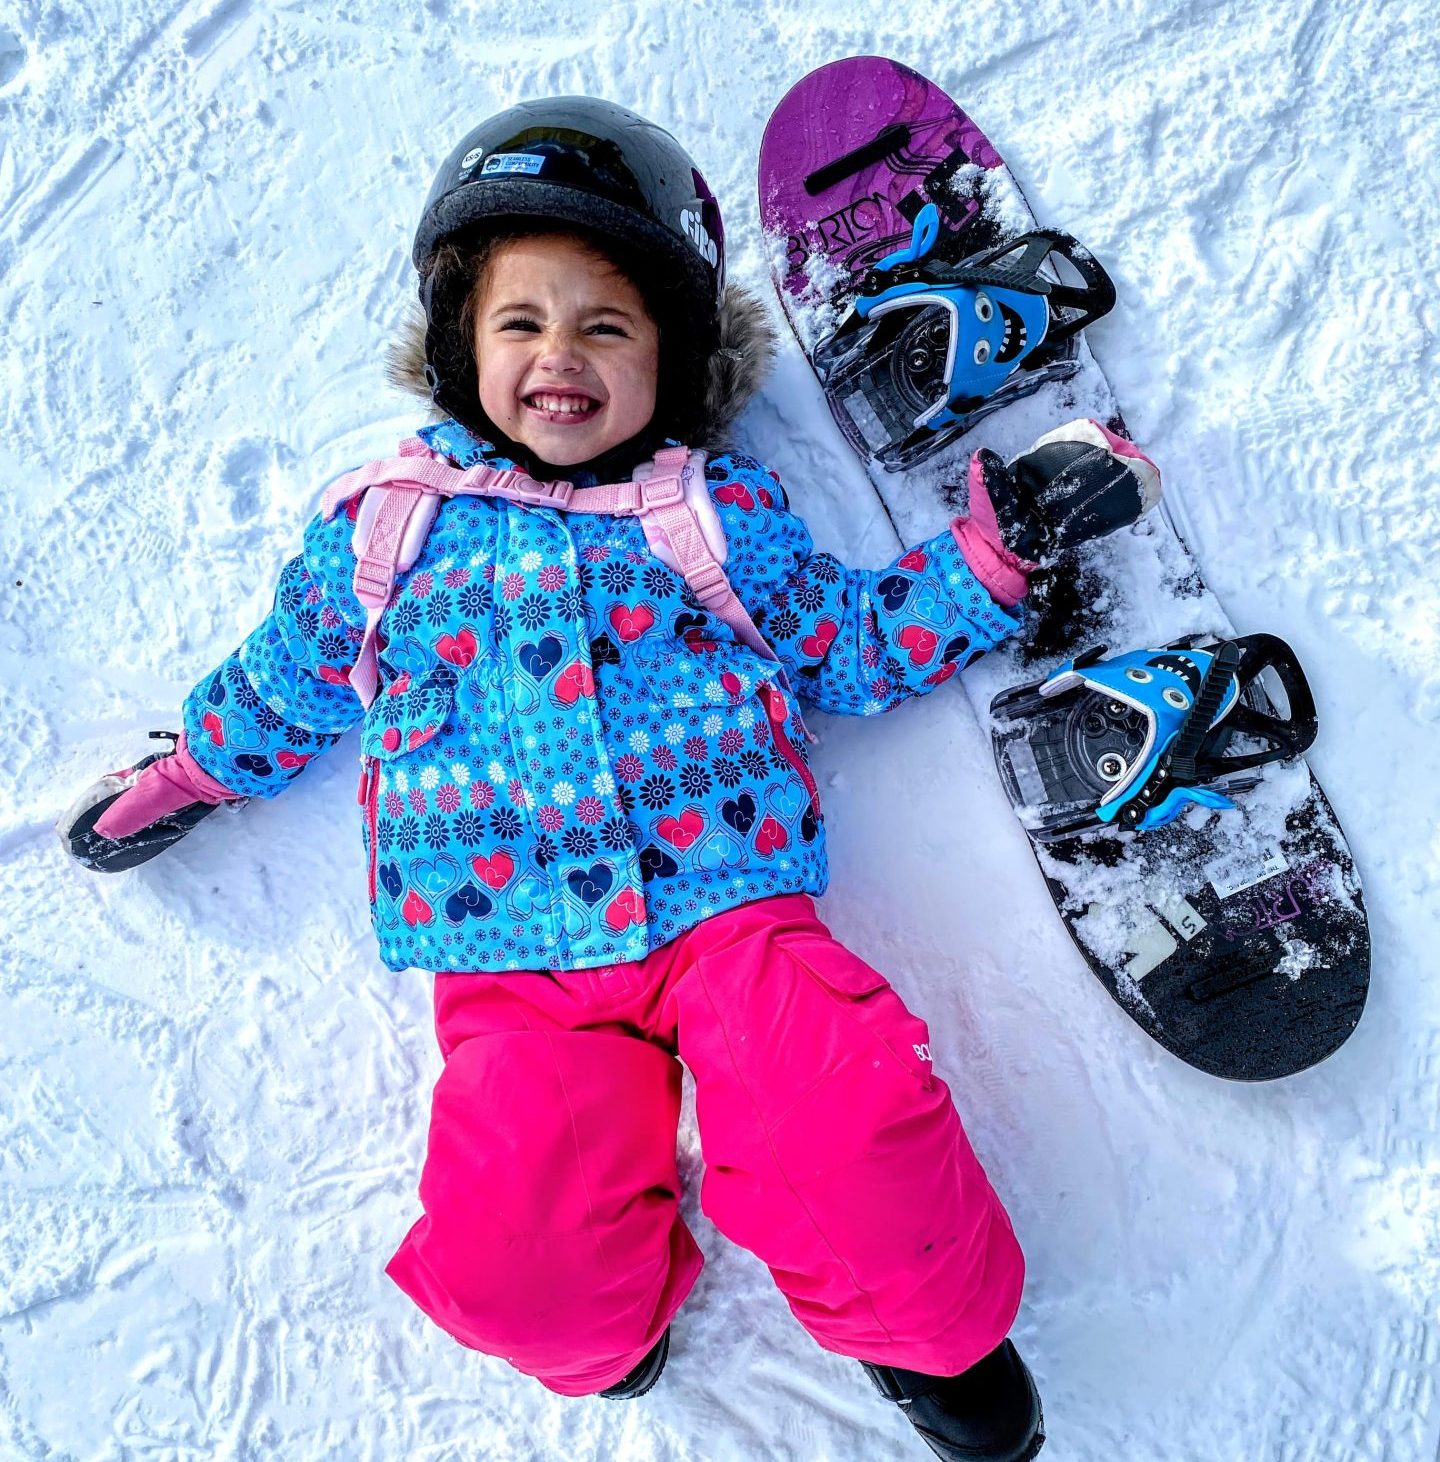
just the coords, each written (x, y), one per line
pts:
(1237, 939)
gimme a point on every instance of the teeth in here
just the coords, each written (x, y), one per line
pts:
(566, 405)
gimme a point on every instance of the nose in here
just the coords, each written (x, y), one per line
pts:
(560, 353)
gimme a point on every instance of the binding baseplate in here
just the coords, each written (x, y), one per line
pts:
(1126, 743)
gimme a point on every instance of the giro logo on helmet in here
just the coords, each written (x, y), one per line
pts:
(696, 232)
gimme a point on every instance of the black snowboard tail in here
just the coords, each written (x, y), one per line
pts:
(1239, 944)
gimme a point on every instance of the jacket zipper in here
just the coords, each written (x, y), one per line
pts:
(369, 799)
(777, 712)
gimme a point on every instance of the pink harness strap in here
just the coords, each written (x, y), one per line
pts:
(677, 523)
(407, 489)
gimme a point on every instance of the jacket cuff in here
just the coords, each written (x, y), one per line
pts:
(1006, 578)
(205, 787)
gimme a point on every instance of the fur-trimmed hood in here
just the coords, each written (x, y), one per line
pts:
(736, 369)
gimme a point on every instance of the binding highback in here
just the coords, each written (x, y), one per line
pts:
(402, 495)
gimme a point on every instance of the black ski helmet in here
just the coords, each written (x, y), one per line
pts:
(588, 163)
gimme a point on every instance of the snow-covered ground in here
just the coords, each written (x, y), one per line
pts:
(212, 1094)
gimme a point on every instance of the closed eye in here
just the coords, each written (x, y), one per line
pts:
(521, 324)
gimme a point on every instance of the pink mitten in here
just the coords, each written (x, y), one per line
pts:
(129, 816)
(1076, 483)
(163, 787)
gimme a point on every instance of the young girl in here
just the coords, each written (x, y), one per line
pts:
(586, 797)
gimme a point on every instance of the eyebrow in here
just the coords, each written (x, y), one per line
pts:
(512, 306)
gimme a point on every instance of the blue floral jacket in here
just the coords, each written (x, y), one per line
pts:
(569, 762)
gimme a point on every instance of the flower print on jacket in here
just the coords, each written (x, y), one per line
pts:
(569, 762)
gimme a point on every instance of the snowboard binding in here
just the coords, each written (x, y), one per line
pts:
(928, 346)
(1128, 743)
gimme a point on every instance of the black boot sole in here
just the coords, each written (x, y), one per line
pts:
(644, 1376)
(920, 1403)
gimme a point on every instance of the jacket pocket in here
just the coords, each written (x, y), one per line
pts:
(680, 675)
(402, 719)
(407, 714)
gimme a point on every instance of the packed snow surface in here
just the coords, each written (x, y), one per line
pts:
(213, 1096)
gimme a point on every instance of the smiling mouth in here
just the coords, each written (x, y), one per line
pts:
(1013, 341)
(567, 409)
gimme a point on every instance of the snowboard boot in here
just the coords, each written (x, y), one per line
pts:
(1076, 483)
(989, 1413)
(643, 1376)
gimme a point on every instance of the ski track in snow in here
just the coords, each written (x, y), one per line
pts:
(212, 1095)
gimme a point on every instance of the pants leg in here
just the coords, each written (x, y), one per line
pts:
(833, 1151)
(551, 1235)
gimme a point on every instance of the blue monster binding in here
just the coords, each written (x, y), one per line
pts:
(1130, 742)
(1169, 690)
(928, 347)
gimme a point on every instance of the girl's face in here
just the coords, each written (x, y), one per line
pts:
(565, 350)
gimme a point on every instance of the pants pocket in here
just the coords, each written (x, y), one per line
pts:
(866, 998)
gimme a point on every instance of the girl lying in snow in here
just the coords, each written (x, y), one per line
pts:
(586, 797)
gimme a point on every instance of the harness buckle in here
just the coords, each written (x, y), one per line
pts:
(373, 582)
(525, 489)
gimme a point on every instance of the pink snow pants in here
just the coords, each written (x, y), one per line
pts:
(552, 1235)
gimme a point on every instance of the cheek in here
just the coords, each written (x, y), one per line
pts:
(645, 378)
(495, 387)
